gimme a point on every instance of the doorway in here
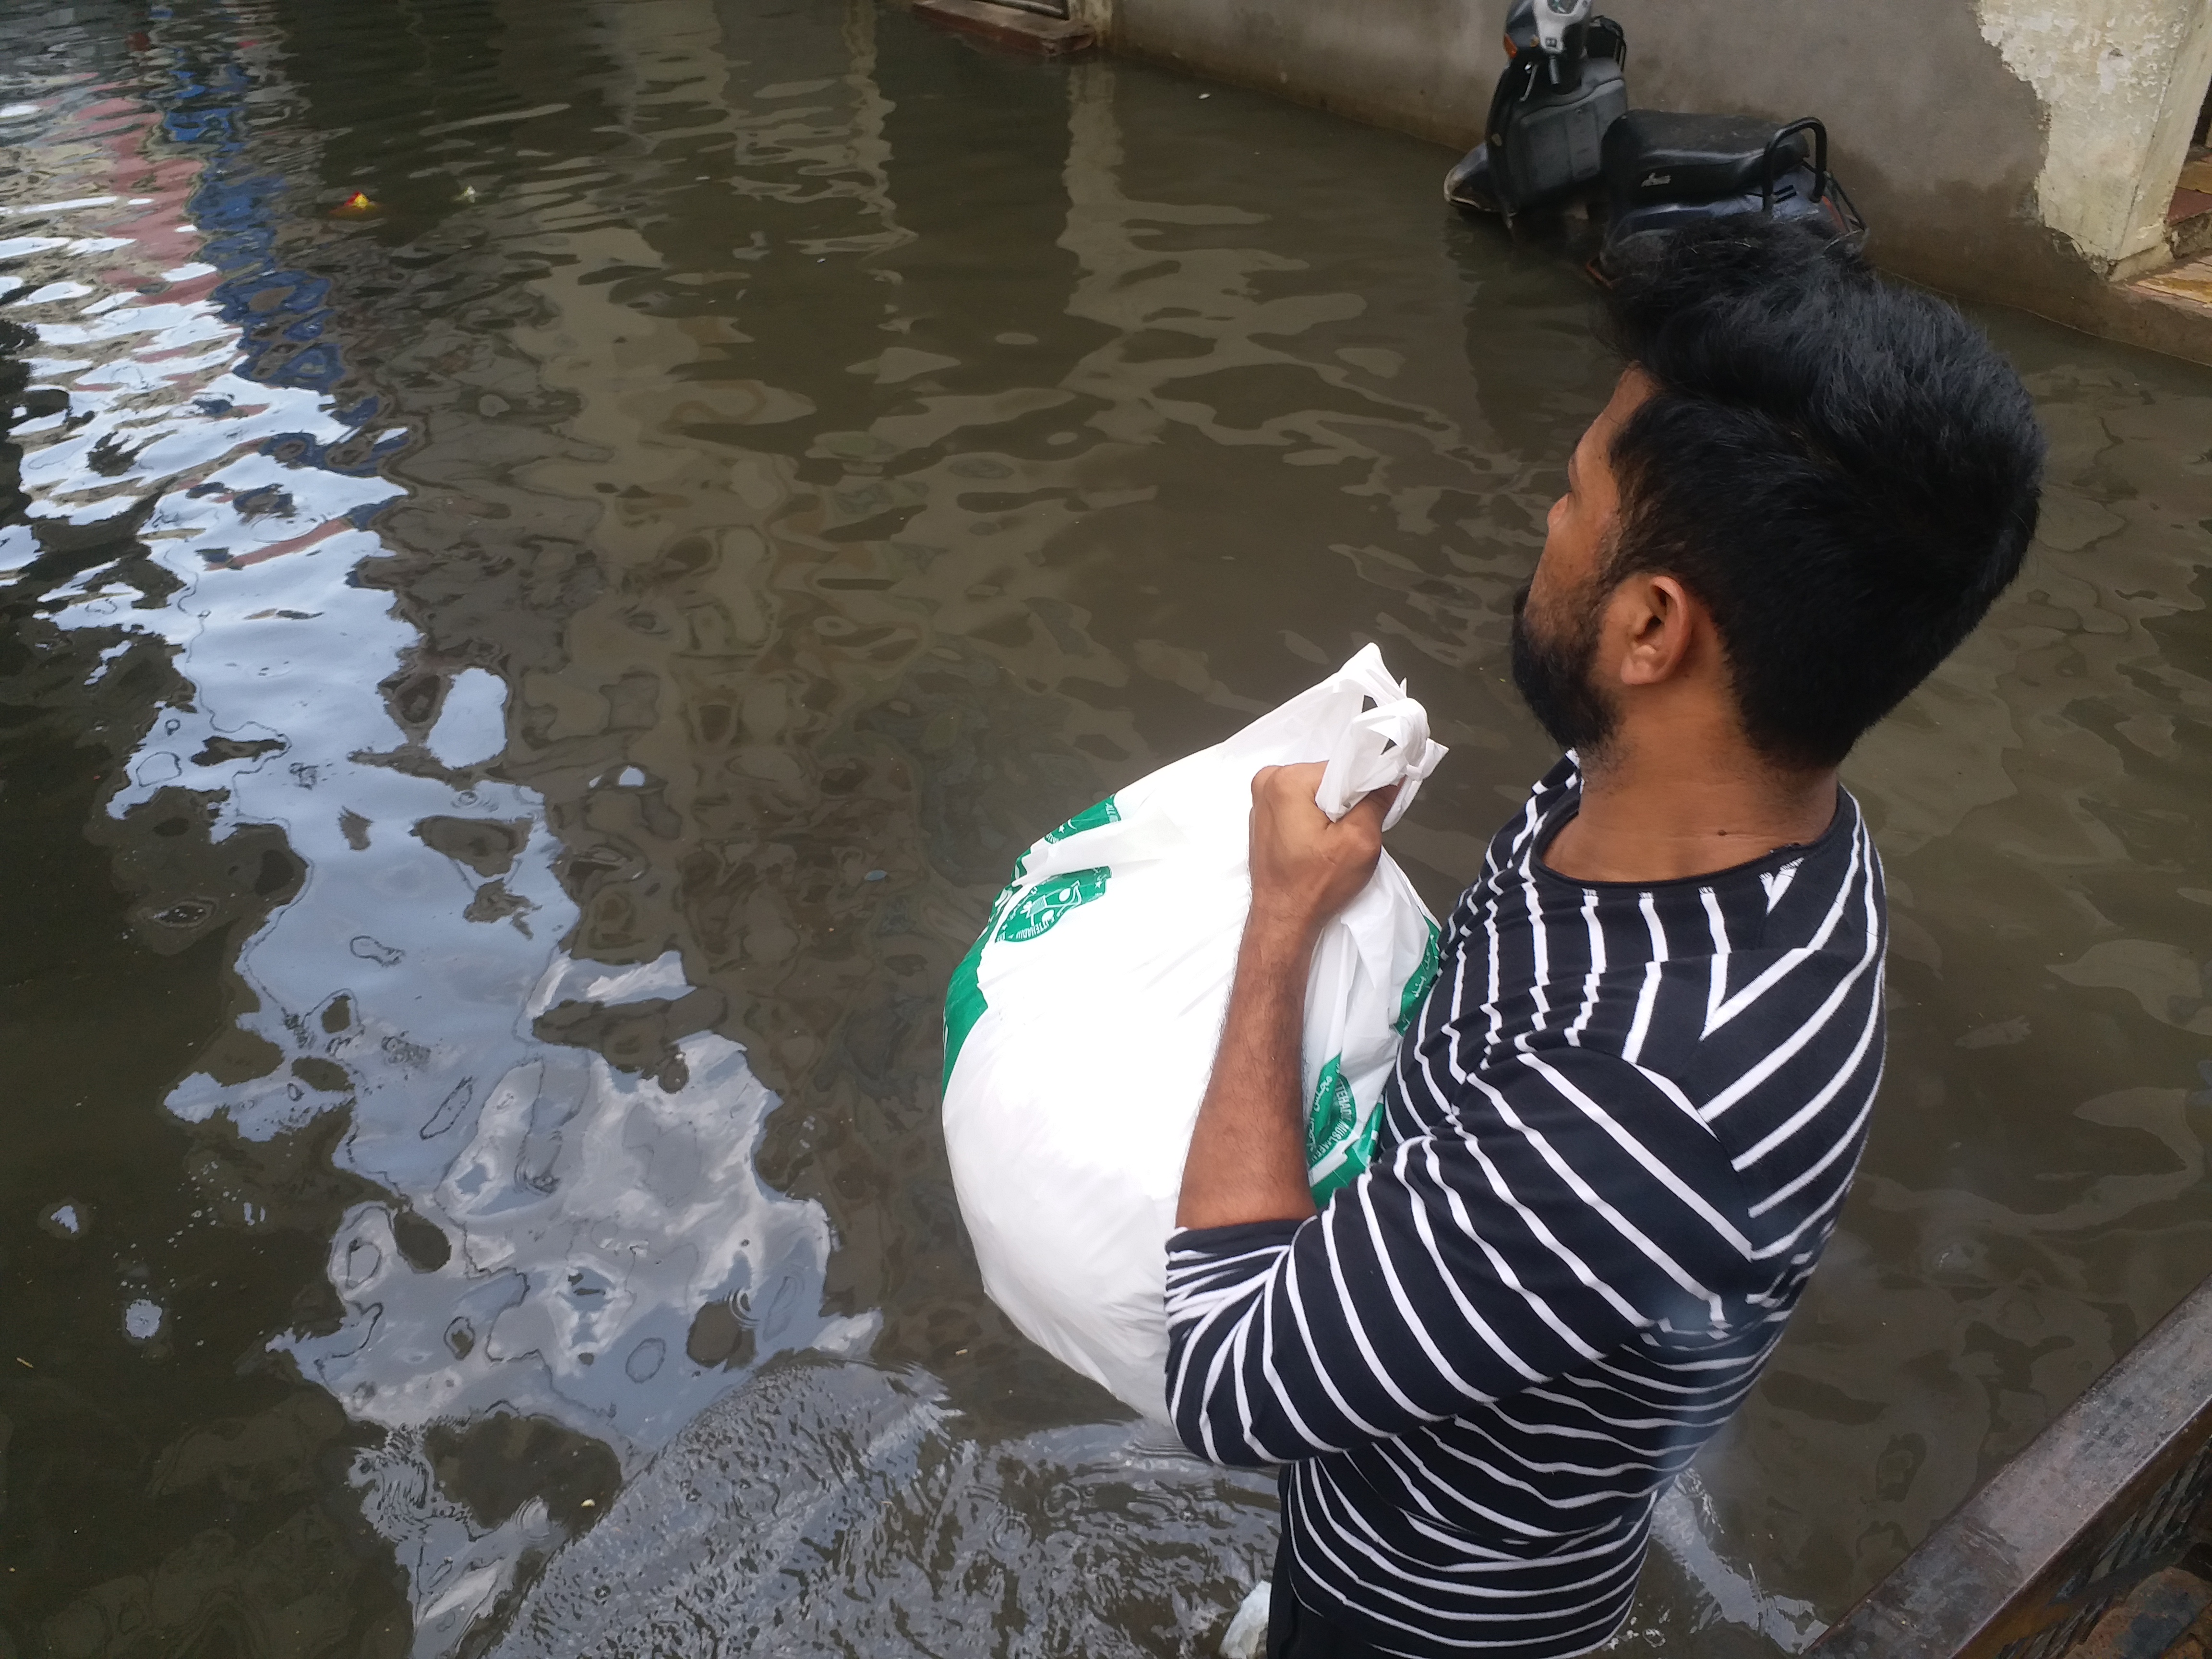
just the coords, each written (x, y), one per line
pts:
(2189, 219)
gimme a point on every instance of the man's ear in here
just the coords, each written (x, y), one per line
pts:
(1656, 622)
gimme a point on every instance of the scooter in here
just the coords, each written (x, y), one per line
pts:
(1560, 129)
(1564, 87)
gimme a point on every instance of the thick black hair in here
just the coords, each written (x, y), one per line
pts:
(1844, 472)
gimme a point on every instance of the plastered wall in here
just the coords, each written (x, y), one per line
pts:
(2120, 82)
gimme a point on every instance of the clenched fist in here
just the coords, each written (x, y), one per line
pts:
(1305, 869)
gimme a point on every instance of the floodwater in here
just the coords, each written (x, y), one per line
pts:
(516, 691)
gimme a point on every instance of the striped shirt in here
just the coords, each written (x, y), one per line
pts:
(1617, 1138)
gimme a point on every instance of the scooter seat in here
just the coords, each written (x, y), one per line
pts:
(1653, 154)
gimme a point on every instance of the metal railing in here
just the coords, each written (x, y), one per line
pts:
(2118, 1488)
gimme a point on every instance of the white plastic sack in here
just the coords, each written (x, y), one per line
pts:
(1081, 1030)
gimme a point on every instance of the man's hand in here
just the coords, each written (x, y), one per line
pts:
(1305, 869)
(1247, 1159)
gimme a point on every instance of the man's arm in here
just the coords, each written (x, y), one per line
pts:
(1568, 1204)
(1247, 1160)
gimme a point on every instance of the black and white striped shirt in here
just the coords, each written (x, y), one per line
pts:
(1617, 1138)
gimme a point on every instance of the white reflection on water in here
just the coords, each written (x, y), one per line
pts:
(589, 1213)
(839, 1508)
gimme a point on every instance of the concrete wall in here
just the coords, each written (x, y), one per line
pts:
(2020, 150)
(1423, 66)
(2121, 83)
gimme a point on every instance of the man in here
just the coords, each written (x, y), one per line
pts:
(1622, 1126)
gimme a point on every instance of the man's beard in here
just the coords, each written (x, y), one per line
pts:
(1554, 677)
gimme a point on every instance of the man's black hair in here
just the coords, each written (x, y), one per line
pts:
(1844, 472)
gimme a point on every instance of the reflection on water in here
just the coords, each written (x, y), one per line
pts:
(518, 689)
(1073, 1540)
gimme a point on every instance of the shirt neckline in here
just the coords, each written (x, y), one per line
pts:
(1774, 858)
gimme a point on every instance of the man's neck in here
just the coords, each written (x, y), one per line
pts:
(1644, 821)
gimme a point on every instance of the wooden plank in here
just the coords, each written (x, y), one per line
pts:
(2104, 1496)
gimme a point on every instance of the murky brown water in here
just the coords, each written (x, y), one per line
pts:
(512, 700)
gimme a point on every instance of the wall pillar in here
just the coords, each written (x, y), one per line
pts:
(2121, 82)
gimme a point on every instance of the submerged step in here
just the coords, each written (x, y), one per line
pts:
(2189, 285)
(1010, 25)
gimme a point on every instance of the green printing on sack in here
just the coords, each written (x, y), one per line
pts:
(1409, 1003)
(1333, 1128)
(1039, 910)
(1012, 920)
(964, 1003)
(1091, 818)
(1330, 1120)
(964, 997)
(1356, 1157)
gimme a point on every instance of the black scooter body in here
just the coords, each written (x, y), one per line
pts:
(1559, 125)
(1548, 117)
(1664, 170)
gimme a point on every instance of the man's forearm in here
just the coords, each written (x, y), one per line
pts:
(1247, 1160)
(1248, 1152)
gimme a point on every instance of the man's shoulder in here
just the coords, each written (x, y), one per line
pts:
(1798, 912)
(1786, 1039)
(1514, 839)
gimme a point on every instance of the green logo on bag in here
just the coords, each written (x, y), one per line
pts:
(1338, 1146)
(1038, 911)
(1409, 1003)
(964, 1005)
(1091, 818)
(963, 997)
(1035, 912)
(1330, 1121)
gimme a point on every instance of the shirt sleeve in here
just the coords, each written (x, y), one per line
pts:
(1577, 1202)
